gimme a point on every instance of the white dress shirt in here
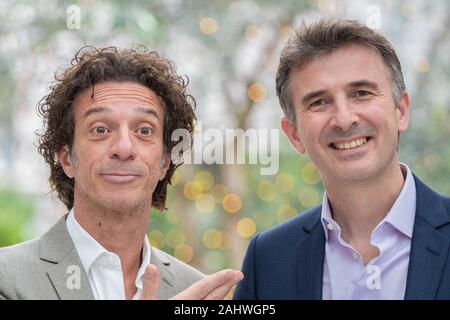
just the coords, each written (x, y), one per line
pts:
(346, 277)
(103, 267)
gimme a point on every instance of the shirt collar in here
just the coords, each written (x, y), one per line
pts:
(146, 254)
(401, 216)
(89, 249)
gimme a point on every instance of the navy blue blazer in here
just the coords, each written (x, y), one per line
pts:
(286, 261)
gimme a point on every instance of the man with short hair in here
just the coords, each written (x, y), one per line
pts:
(108, 124)
(380, 233)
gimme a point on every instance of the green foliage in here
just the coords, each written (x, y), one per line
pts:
(15, 211)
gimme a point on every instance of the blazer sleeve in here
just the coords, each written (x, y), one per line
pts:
(246, 288)
(6, 289)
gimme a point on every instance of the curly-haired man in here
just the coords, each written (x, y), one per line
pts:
(108, 122)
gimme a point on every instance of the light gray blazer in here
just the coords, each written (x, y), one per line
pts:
(44, 269)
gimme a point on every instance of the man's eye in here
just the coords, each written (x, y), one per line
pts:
(99, 130)
(146, 131)
(318, 103)
(361, 93)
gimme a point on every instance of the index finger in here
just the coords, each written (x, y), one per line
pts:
(201, 289)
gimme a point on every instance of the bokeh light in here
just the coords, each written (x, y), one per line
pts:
(285, 212)
(256, 92)
(246, 227)
(308, 197)
(175, 237)
(205, 204)
(184, 252)
(208, 25)
(309, 174)
(232, 203)
(156, 239)
(212, 239)
(422, 65)
(266, 190)
(193, 190)
(206, 179)
(284, 182)
(219, 191)
(251, 32)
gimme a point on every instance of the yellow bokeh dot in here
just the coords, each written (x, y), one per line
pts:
(175, 237)
(410, 11)
(205, 204)
(219, 191)
(256, 92)
(246, 227)
(309, 197)
(208, 25)
(251, 32)
(232, 203)
(423, 66)
(157, 239)
(175, 177)
(266, 190)
(284, 182)
(309, 174)
(172, 217)
(212, 239)
(193, 190)
(285, 212)
(184, 252)
(285, 31)
(205, 178)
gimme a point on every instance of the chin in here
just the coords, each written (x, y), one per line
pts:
(124, 203)
(354, 172)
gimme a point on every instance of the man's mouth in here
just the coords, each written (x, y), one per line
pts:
(351, 144)
(119, 177)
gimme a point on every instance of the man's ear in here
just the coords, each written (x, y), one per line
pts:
(402, 112)
(66, 161)
(164, 165)
(290, 130)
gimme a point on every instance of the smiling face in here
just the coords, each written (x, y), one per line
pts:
(346, 117)
(117, 156)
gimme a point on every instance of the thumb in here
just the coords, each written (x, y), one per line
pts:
(150, 283)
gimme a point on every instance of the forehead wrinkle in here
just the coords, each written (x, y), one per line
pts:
(142, 95)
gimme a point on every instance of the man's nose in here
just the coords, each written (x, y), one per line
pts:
(344, 116)
(123, 147)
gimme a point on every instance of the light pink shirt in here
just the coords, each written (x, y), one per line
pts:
(346, 277)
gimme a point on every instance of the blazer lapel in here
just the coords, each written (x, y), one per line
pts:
(310, 257)
(429, 246)
(67, 276)
(167, 278)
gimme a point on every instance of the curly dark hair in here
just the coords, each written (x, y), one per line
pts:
(95, 65)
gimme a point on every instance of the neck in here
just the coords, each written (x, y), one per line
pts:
(358, 207)
(120, 232)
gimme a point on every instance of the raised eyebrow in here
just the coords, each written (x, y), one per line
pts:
(147, 111)
(109, 110)
(97, 110)
(364, 83)
(311, 95)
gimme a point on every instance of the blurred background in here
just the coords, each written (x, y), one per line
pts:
(229, 50)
